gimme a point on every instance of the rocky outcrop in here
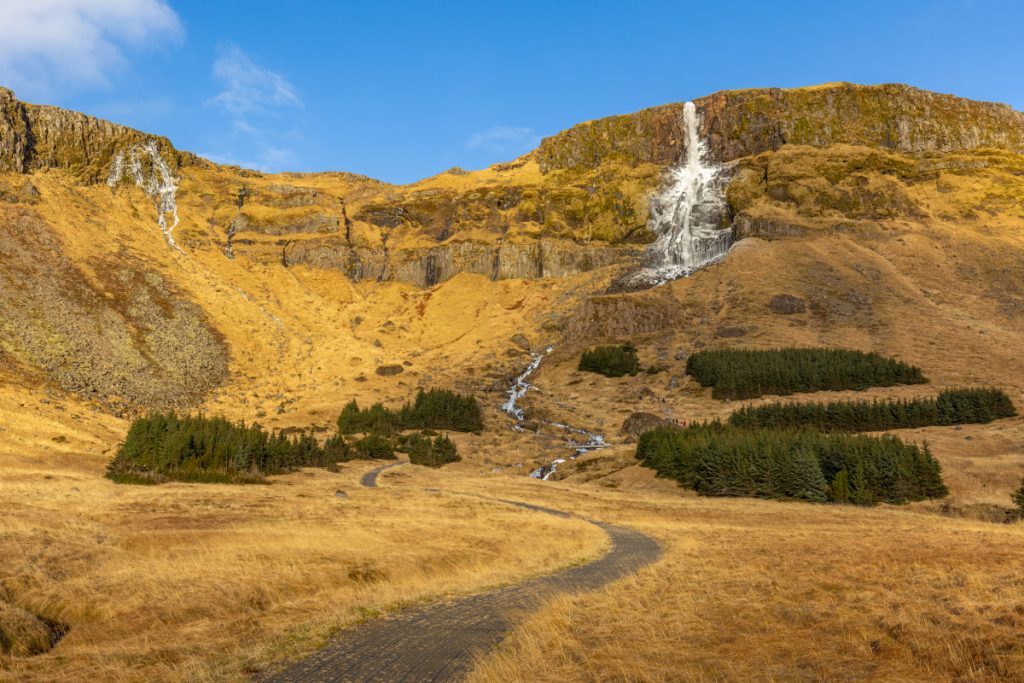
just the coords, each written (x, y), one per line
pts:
(741, 123)
(638, 423)
(37, 137)
(285, 223)
(607, 210)
(767, 228)
(432, 265)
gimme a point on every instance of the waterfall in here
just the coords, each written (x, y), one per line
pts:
(687, 215)
(142, 164)
(519, 388)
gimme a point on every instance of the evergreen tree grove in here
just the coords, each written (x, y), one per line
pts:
(749, 373)
(953, 406)
(804, 464)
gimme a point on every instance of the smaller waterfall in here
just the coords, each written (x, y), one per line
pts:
(688, 214)
(520, 388)
(142, 165)
(590, 441)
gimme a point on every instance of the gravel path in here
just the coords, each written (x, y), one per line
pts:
(439, 642)
(370, 478)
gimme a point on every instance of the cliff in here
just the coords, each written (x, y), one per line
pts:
(741, 123)
(145, 276)
(38, 137)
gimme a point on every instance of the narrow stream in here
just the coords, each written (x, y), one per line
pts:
(579, 441)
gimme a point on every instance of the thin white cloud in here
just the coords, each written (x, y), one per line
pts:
(253, 99)
(503, 139)
(248, 87)
(76, 43)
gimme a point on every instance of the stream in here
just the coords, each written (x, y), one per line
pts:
(579, 441)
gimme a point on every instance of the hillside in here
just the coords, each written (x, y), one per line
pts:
(137, 276)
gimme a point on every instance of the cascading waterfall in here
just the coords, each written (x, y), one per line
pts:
(688, 214)
(143, 165)
(590, 442)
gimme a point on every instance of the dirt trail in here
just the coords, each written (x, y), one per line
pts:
(439, 642)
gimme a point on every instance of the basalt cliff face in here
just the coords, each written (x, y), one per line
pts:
(142, 275)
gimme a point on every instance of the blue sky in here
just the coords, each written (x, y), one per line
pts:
(400, 91)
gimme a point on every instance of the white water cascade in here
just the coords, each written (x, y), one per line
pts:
(590, 442)
(688, 213)
(142, 164)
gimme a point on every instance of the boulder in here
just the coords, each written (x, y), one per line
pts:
(638, 423)
(787, 304)
(521, 341)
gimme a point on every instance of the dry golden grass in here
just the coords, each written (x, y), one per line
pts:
(764, 591)
(201, 582)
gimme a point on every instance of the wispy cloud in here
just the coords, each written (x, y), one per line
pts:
(255, 100)
(248, 87)
(50, 43)
(503, 139)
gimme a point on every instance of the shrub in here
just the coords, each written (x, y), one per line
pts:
(432, 452)
(954, 406)
(749, 373)
(166, 446)
(434, 409)
(611, 361)
(375, 447)
(720, 460)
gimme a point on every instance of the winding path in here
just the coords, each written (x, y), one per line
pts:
(438, 643)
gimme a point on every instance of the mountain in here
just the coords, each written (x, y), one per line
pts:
(147, 276)
(134, 276)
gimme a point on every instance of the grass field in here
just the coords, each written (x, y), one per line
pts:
(762, 591)
(209, 582)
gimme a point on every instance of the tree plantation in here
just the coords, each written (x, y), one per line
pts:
(749, 373)
(951, 407)
(720, 460)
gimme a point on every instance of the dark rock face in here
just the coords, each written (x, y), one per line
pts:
(36, 137)
(433, 265)
(389, 370)
(285, 224)
(766, 228)
(787, 304)
(638, 423)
